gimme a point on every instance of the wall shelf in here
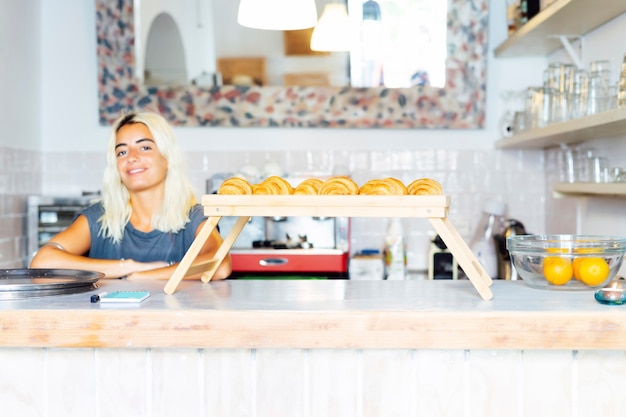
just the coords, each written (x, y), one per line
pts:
(607, 124)
(547, 32)
(570, 18)
(564, 189)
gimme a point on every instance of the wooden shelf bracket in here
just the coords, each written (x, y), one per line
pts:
(566, 41)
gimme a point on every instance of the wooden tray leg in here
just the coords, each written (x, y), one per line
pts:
(472, 267)
(225, 247)
(191, 254)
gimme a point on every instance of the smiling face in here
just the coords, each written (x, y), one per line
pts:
(139, 162)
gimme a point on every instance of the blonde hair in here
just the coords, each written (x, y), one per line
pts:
(179, 194)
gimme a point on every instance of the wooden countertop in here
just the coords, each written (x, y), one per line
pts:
(319, 314)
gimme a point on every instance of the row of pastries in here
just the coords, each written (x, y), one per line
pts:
(337, 185)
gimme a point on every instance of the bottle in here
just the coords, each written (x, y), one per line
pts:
(523, 8)
(483, 243)
(395, 251)
(512, 15)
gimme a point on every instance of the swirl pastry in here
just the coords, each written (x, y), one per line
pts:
(397, 185)
(235, 186)
(310, 186)
(425, 186)
(273, 185)
(339, 185)
(384, 186)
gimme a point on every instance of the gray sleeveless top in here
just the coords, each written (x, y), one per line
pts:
(138, 245)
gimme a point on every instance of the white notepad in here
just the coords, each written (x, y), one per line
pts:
(124, 297)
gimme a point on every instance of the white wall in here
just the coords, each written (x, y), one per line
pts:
(465, 158)
(69, 95)
(20, 85)
(51, 141)
(69, 92)
(69, 31)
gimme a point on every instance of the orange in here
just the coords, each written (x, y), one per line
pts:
(593, 271)
(557, 270)
(576, 265)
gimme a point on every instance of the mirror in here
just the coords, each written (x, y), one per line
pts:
(365, 36)
(460, 104)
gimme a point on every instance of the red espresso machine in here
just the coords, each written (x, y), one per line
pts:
(290, 247)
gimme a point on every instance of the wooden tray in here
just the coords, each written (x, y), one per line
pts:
(434, 208)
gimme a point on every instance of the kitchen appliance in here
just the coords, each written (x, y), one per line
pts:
(48, 215)
(280, 247)
(483, 243)
(441, 262)
(512, 227)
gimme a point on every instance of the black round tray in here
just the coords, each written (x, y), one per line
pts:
(26, 283)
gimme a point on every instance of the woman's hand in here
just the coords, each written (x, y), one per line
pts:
(147, 270)
(163, 270)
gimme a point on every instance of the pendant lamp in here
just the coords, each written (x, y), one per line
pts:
(332, 33)
(277, 14)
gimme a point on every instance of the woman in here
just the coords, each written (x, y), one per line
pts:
(148, 216)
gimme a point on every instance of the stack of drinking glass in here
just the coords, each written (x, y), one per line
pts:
(569, 92)
(584, 164)
(621, 91)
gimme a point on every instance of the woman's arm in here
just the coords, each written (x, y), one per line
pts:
(66, 251)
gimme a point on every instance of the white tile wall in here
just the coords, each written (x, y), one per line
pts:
(20, 176)
(310, 383)
(469, 177)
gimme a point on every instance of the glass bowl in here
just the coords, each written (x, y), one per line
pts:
(566, 262)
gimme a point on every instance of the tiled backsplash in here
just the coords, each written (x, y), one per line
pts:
(469, 177)
(20, 176)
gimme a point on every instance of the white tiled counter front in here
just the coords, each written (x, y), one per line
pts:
(315, 348)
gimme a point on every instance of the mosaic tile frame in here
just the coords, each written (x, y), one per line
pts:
(461, 105)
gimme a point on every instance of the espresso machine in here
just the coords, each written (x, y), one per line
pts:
(297, 247)
(290, 247)
(441, 262)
